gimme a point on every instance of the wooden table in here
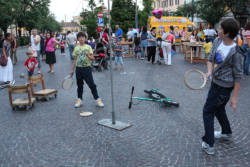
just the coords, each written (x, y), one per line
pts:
(126, 45)
(189, 49)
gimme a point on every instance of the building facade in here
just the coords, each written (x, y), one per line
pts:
(169, 5)
(70, 26)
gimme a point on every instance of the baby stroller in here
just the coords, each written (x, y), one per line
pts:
(100, 61)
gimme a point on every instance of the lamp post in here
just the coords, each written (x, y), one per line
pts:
(192, 12)
(112, 123)
(136, 15)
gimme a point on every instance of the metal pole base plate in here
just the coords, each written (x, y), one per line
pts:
(117, 126)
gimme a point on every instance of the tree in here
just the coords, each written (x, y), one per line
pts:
(211, 10)
(146, 12)
(7, 14)
(28, 14)
(239, 9)
(187, 10)
(89, 19)
(123, 14)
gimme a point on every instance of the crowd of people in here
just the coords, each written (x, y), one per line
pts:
(146, 44)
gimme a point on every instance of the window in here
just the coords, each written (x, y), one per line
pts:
(176, 2)
(154, 5)
(163, 4)
(171, 3)
(166, 3)
(159, 4)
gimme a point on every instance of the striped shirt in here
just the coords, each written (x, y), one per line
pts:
(246, 35)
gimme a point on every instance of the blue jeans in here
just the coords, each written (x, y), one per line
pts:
(118, 59)
(71, 49)
(246, 59)
(144, 45)
(215, 107)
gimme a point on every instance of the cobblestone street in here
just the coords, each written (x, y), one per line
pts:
(53, 134)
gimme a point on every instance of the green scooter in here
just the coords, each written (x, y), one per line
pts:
(155, 96)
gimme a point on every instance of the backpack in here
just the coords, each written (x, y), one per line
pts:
(1, 43)
(144, 35)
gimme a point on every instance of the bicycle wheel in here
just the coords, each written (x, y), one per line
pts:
(171, 103)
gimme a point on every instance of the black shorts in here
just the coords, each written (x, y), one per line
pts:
(30, 73)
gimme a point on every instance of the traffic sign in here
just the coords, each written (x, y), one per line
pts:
(100, 14)
(100, 21)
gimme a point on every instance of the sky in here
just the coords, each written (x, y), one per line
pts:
(68, 8)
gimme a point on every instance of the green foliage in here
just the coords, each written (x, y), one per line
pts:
(187, 10)
(23, 41)
(147, 4)
(27, 13)
(123, 14)
(239, 8)
(89, 19)
(212, 10)
(145, 13)
(7, 13)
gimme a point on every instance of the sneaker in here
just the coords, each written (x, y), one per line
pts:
(99, 102)
(39, 72)
(12, 82)
(219, 135)
(78, 103)
(209, 150)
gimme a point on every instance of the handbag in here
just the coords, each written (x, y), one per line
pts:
(3, 60)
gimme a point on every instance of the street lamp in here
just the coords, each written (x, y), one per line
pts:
(136, 15)
(112, 123)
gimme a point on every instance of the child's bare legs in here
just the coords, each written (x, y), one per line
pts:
(52, 68)
(116, 62)
(121, 63)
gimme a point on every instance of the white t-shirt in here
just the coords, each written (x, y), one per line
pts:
(33, 45)
(71, 38)
(129, 34)
(222, 52)
(192, 38)
(205, 32)
(211, 32)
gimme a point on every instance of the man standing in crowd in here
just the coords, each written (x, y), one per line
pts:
(71, 39)
(42, 46)
(13, 49)
(118, 32)
(211, 34)
(35, 45)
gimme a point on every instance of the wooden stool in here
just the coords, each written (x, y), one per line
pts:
(21, 89)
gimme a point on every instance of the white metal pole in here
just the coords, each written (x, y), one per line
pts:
(111, 66)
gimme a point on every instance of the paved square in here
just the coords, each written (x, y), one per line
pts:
(53, 134)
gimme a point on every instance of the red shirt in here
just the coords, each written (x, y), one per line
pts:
(105, 36)
(170, 37)
(30, 63)
(62, 44)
